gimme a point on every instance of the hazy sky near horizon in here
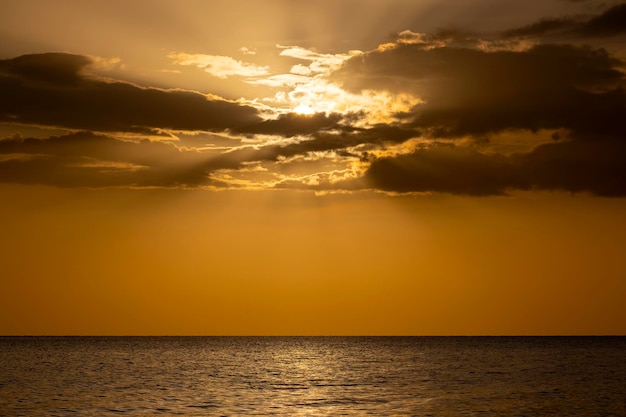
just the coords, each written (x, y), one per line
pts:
(313, 167)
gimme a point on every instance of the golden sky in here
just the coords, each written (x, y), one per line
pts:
(312, 168)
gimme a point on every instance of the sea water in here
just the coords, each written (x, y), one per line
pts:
(317, 376)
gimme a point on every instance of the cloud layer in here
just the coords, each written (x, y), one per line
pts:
(53, 89)
(485, 89)
(611, 22)
(427, 113)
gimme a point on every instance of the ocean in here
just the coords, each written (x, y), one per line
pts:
(313, 376)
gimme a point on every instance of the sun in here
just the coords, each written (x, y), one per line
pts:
(304, 109)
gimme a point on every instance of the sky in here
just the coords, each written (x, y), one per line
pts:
(344, 167)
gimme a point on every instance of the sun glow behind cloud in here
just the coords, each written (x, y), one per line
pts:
(304, 109)
(306, 88)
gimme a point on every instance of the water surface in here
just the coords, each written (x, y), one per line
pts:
(300, 376)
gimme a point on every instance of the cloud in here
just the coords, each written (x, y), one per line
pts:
(51, 68)
(247, 51)
(597, 167)
(443, 169)
(471, 90)
(299, 69)
(53, 89)
(281, 80)
(291, 124)
(468, 91)
(546, 26)
(320, 63)
(95, 160)
(420, 114)
(220, 66)
(315, 139)
(611, 22)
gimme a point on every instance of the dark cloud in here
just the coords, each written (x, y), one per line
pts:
(441, 169)
(51, 89)
(291, 124)
(51, 68)
(474, 92)
(611, 22)
(597, 167)
(96, 160)
(88, 159)
(546, 26)
(328, 141)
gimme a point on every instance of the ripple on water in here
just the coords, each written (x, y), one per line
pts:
(312, 376)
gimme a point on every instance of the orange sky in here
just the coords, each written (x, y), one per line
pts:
(328, 168)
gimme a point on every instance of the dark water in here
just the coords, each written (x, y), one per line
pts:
(215, 376)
